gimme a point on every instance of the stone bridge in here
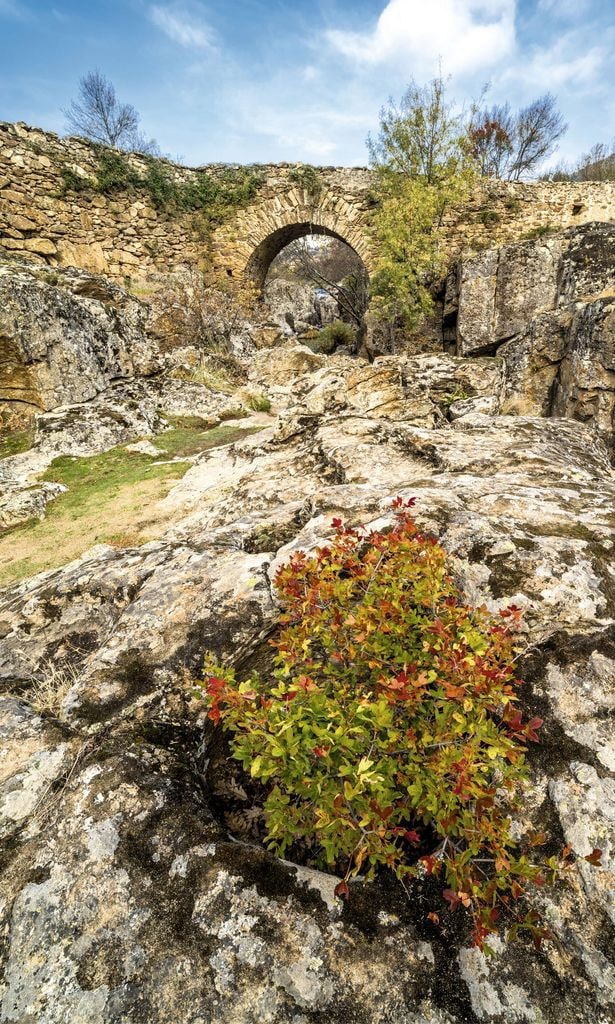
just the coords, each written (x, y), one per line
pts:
(123, 234)
(284, 209)
(126, 237)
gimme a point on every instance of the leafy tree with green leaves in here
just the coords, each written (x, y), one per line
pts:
(423, 168)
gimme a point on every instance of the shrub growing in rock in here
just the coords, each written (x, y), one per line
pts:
(331, 337)
(387, 735)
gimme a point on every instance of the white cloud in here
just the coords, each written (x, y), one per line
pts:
(186, 27)
(465, 34)
(565, 63)
(305, 127)
(310, 73)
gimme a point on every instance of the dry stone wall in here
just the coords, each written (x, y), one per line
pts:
(124, 236)
(121, 235)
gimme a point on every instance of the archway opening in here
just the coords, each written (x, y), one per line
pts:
(315, 285)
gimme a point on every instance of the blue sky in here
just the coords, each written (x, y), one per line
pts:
(269, 80)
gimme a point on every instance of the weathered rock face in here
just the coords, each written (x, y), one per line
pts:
(585, 384)
(63, 338)
(411, 388)
(546, 307)
(498, 293)
(124, 898)
(295, 305)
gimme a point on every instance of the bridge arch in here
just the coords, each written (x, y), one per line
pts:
(263, 256)
(283, 212)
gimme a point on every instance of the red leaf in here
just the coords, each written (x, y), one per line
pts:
(513, 719)
(531, 727)
(342, 890)
(539, 839)
(594, 857)
(215, 685)
(451, 898)
(382, 812)
(336, 523)
(430, 863)
(412, 836)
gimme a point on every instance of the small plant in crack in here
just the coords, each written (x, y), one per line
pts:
(387, 734)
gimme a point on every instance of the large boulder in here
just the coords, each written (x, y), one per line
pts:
(299, 304)
(497, 293)
(66, 335)
(585, 383)
(545, 306)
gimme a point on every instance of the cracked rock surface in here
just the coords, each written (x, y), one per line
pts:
(124, 899)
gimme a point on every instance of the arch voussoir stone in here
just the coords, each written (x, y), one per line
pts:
(283, 211)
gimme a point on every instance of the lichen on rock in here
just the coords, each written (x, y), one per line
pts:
(125, 893)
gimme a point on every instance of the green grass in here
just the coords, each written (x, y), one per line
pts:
(14, 442)
(258, 402)
(112, 498)
(190, 435)
(88, 478)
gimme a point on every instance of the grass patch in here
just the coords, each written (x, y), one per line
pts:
(213, 196)
(15, 442)
(541, 231)
(112, 498)
(257, 402)
(190, 435)
(217, 380)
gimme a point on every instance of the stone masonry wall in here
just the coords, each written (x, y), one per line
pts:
(125, 237)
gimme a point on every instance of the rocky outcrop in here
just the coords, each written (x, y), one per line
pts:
(125, 897)
(411, 388)
(585, 384)
(65, 337)
(500, 292)
(546, 307)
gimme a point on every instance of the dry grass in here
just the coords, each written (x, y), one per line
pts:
(66, 533)
(519, 407)
(256, 401)
(49, 692)
(217, 380)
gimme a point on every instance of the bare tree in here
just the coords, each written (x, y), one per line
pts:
(512, 146)
(98, 115)
(598, 164)
(491, 135)
(538, 128)
(334, 267)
